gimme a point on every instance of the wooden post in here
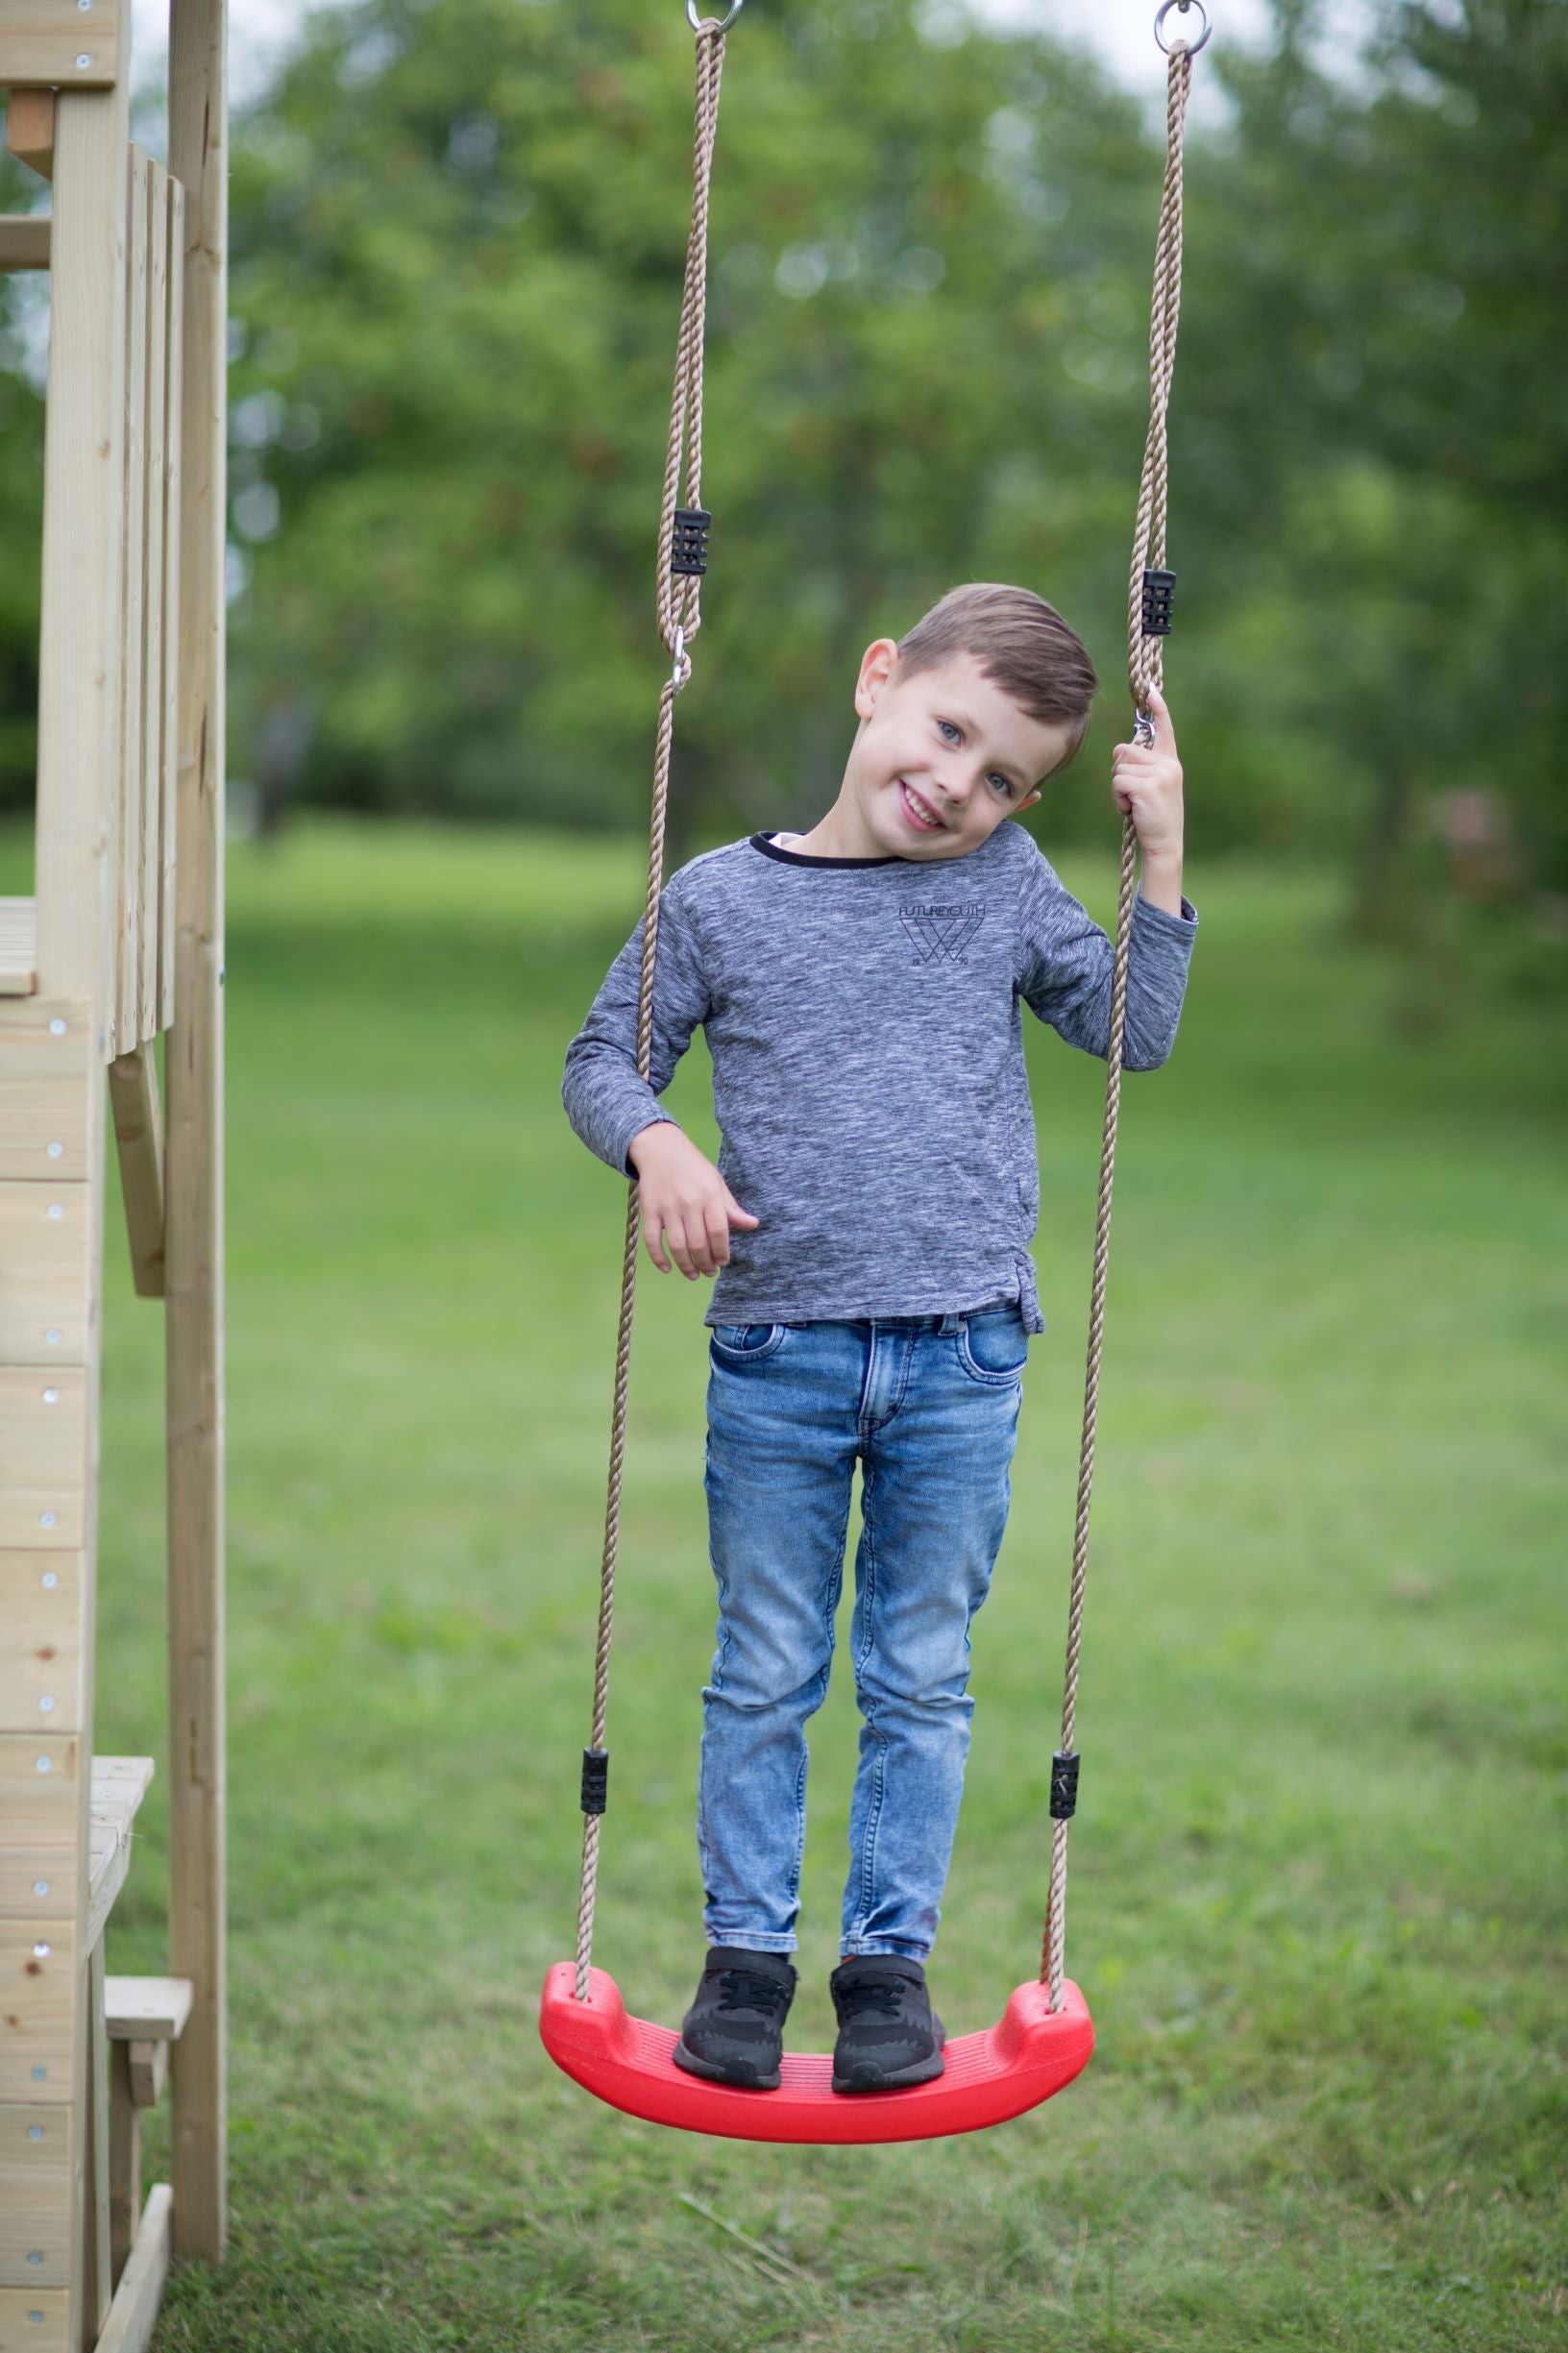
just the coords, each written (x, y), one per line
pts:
(193, 1153)
(78, 748)
(124, 1023)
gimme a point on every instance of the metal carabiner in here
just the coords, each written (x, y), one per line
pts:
(675, 678)
(1191, 47)
(697, 22)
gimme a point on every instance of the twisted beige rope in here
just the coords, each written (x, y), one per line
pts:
(1143, 668)
(679, 618)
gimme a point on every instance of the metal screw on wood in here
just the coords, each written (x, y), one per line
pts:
(84, 62)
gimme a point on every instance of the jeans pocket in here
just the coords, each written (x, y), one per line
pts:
(745, 1344)
(993, 1347)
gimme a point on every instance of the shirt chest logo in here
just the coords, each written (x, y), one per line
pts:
(940, 932)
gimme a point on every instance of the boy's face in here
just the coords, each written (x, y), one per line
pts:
(952, 739)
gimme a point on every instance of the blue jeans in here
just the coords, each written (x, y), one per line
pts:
(929, 1406)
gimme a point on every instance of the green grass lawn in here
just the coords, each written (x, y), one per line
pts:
(1316, 1887)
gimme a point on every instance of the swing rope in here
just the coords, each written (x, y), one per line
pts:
(1143, 670)
(679, 618)
(683, 535)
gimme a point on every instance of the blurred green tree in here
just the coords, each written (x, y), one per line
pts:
(458, 240)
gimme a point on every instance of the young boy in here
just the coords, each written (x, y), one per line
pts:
(869, 1221)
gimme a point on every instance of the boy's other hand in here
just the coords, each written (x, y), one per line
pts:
(1146, 781)
(684, 1201)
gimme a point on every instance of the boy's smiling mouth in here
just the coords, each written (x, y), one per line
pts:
(920, 814)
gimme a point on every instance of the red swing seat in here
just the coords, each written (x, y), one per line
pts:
(990, 2076)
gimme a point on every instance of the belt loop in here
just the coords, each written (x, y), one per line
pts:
(949, 1323)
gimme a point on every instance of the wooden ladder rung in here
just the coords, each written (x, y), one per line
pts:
(146, 2009)
(24, 240)
(18, 947)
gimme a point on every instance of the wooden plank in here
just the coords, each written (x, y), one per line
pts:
(169, 782)
(135, 2008)
(151, 767)
(47, 1081)
(83, 509)
(124, 1024)
(18, 947)
(24, 240)
(134, 2313)
(33, 2194)
(40, 1779)
(41, 1658)
(44, 1236)
(138, 1132)
(38, 2008)
(39, 2157)
(30, 129)
(193, 1077)
(61, 44)
(44, 1464)
(119, 1784)
(34, 2319)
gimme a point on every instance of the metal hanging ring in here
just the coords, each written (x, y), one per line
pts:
(723, 23)
(1191, 47)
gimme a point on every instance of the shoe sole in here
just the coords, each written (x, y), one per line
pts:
(714, 2074)
(919, 2071)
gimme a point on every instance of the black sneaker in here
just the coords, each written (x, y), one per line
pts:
(889, 2034)
(734, 2030)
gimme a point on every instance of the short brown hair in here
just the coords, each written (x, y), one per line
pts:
(1019, 641)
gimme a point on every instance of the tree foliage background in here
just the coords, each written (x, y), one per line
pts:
(458, 232)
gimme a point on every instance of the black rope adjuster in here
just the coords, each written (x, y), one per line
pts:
(1159, 595)
(689, 550)
(595, 1780)
(1064, 1785)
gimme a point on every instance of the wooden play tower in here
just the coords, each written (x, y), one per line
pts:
(121, 942)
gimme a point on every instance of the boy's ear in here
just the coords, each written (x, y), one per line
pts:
(876, 666)
(1028, 801)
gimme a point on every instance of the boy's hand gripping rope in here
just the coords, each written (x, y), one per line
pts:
(683, 558)
(1149, 620)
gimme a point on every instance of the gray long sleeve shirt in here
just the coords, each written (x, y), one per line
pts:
(863, 1016)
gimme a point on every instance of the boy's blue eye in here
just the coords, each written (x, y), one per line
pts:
(950, 727)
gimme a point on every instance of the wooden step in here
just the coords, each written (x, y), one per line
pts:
(18, 947)
(146, 2009)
